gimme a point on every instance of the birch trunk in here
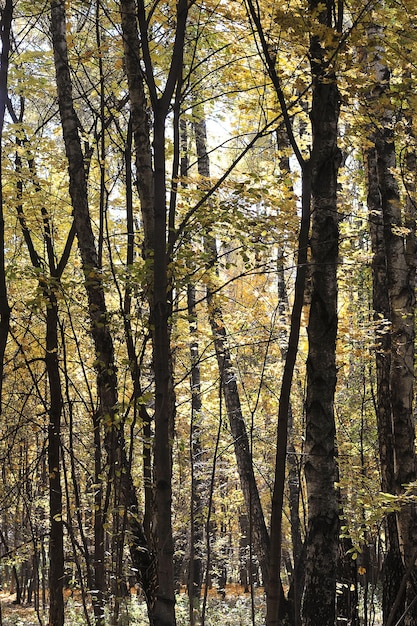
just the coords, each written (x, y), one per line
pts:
(400, 468)
(393, 568)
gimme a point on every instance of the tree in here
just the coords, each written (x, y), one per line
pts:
(394, 277)
(5, 27)
(158, 232)
(107, 387)
(320, 464)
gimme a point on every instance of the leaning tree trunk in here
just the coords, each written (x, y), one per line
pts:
(142, 559)
(319, 606)
(229, 386)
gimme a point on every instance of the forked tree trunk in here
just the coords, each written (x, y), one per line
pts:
(151, 177)
(319, 605)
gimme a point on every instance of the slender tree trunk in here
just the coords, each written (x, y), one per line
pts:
(398, 468)
(107, 416)
(393, 568)
(56, 539)
(196, 452)
(5, 28)
(195, 570)
(319, 604)
(49, 288)
(294, 487)
(230, 389)
(152, 193)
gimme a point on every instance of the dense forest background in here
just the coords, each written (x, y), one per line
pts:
(207, 294)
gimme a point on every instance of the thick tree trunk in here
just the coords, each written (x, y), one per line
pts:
(164, 392)
(319, 604)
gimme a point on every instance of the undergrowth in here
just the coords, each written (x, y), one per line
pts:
(234, 610)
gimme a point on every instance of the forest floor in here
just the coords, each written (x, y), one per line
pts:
(235, 609)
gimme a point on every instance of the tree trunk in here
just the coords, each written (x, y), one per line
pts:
(5, 27)
(319, 604)
(230, 389)
(195, 570)
(294, 486)
(48, 287)
(393, 568)
(107, 416)
(56, 539)
(152, 193)
(400, 276)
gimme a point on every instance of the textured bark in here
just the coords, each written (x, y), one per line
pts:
(142, 559)
(140, 119)
(394, 287)
(392, 568)
(320, 465)
(399, 468)
(195, 576)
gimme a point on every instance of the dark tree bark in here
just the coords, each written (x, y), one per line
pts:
(5, 28)
(274, 591)
(107, 386)
(49, 286)
(319, 605)
(56, 539)
(152, 193)
(293, 465)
